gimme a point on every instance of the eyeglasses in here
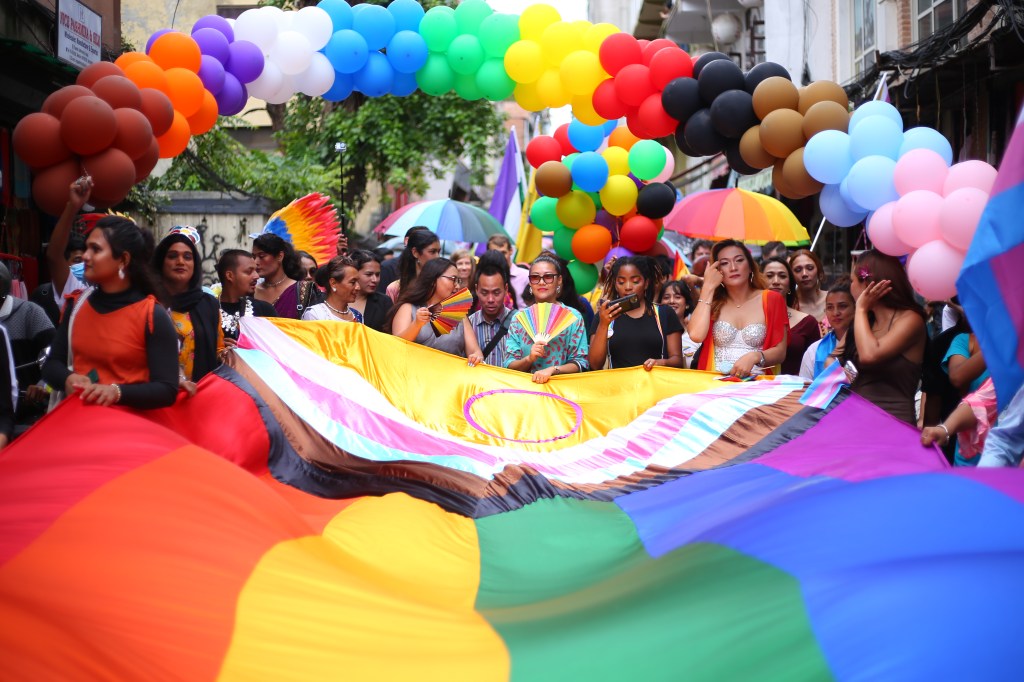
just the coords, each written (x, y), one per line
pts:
(456, 280)
(547, 278)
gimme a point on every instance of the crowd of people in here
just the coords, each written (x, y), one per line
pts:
(128, 321)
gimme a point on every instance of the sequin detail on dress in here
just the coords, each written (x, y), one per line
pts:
(731, 343)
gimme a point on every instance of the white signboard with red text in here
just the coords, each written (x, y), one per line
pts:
(79, 31)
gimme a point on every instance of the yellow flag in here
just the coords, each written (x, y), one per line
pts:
(528, 245)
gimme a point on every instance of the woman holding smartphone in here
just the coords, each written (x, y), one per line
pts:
(631, 330)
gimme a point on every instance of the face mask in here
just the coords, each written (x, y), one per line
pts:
(78, 270)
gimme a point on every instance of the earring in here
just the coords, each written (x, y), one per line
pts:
(334, 289)
(558, 290)
(529, 289)
(120, 272)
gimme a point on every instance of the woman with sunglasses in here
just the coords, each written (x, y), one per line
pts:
(565, 353)
(410, 317)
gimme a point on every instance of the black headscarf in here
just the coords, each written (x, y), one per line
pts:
(203, 310)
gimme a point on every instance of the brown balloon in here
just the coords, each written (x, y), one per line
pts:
(97, 70)
(775, 93)
(783, 187)
(88, 125)
(822, 91)
(55, 103)
(751, 150)
(158, 109)
(825, 116)
(782, 132)
(134, 132)
(145, 164)
(118, 92)
(113, 174)
(52, 187)
(796, 176)
(554, 179)
(37, 141)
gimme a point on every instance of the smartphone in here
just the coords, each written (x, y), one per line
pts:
(627, 303)
(851, 370)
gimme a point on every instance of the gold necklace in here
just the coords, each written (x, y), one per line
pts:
(275, 284)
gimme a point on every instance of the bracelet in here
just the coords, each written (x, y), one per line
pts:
(763, 363)
(557, 370)
(118, 389)
(701, 300)
(943, 427)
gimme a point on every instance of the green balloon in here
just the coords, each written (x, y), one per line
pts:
(497, 33)
(646, 159)
(470, 14)
(466, 87)
(597, 199)
(563, 242)
(465, 55)
(568, 160)
(493, 81)
(543, 215)
(584, 274)
(438, 28)
(436, 77)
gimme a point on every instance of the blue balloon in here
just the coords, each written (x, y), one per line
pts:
(875, 108)
(376, 78)
(404, 84)
(836, 210)
(609, 126)
(347, 51)
(589, 171)
(407, 52)
(870, 182)
(339, 11)
(927, 138)
(827, 156)
(376, 24)
(341, 89)
(407, 14)
(876, 136)
(585, 138)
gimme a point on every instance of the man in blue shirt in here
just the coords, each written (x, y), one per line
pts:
(492, 320)
(1004, 446)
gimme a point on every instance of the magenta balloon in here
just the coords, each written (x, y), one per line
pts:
(961, 211)
(152, 38)
(933, 269)
(246, 62)
(211, 72)
(915, 218)
(882, 234)
(920, 169)
(977, 174)
(232, 97)
(213, 43)
(217, 23)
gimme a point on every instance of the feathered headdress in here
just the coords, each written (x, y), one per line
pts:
(310, 224)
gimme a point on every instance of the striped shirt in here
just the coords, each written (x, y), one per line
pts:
(485, 331)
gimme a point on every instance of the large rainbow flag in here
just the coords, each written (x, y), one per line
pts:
(338, 504)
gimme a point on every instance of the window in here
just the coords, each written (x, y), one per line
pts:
(933, 15)
(864, 35)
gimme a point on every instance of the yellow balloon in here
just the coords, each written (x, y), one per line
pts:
(576, 209)
(618, 160)
(595, 35)
(535, 19)
(581, 72)
(549, 87)
(618, 196)
(556, 42)
(527, 97)
(583, 109)
(524, 61)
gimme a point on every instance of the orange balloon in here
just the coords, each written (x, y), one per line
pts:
(591, 243)
(176, 50)
(621, 137)
(174, 141)
(129, 58)
(185, 90)
(95, 71)
(147, 75)
(204, 119)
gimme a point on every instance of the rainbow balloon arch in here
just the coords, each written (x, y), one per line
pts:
(121, 117)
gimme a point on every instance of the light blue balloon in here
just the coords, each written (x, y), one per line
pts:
(376, 24)
(609, 126)
(870, 182)
(339, 11)
(875, 108)
(404, 84)
(844, 192)
(407, 52)
(589, 171)
(341, 89)
(407, 14)
(876, 136)
(585, 138)
(836, 210)
(827, 156)
(347, 51)
(927, 138)
(376, 78)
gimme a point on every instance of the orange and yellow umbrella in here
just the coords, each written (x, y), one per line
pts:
(736, 214)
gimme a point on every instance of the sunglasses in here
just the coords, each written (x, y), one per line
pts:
(547, 278)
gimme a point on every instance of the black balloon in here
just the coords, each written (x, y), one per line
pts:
(736, 162)
(700, 135)
(681, 98)
(717, 77)
(681, 141)
(762, 72)
(706, 59)
(655, 200)
(732, 113)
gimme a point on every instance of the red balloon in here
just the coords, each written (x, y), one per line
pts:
(654, 47)
(134, 132)
(606, 101)
(659, 249)
(55, 103)
(668, 65)
(97, 70)
(52, 187)
(542, 149)
(633, 84)
(37, 141)
(653, 118)
(113, 174)
(638, 234)
(88, 125)
(637, 126)
(145, 164)
(562, 135)
(118, 92)
(158, 109)
(618, 51)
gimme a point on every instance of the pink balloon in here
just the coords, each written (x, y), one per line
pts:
(882, 234)
(920, 169)
(977, 174)
(670, 166)
(933, 270)
(961, 211)
(915, 218)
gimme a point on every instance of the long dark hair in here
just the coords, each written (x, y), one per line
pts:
(160, 254)
(791, 292)
(421, 288)
(757, 279)
(272, 244)
(124, 236)
(647, 268)
(874, 266)
(418, 240)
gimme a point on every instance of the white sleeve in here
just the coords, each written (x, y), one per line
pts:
(72, 285)
(807, 363)
(949, 317)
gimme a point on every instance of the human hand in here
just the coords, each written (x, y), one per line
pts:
(188, 386)
(933, 435)
(423, 316)
(475, 359)
(693, 281)
(76, 382)
(537, 350)
(742, 367)
(650, 363)
(80, 191)
(342, 246)
(873, 293)
(609, 311)
(36, 394)
(608, 264)
(542, 376)
(713, 277)
(101, 394)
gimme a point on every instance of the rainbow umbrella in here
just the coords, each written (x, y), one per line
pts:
(736, 214)
(449, 219)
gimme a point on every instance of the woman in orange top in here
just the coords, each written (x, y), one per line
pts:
(123, 348)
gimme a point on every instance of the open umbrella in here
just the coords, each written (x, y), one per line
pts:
(447, 218)
(736, 214)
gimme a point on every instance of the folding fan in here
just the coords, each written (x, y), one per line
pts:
(447, 314)
(545, 321)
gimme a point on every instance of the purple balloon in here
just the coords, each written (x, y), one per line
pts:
(217, 23)
(232, 97)
(212, 73)
(619, 252)
(213, 43)
(152, 38)
(246, 61)
(606, 220)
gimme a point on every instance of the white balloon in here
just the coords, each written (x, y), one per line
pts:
(284, 93)
(318, 78)
(268, 82)
(283, 18)
(292, 52)
(257, 27)
(315, 24)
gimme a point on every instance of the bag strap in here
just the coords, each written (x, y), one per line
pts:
(493, 343)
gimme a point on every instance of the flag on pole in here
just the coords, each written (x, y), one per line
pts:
(882, 93)
(510, 190)
(991, 279)
(825, 386)
(679, 269)
(529, 244)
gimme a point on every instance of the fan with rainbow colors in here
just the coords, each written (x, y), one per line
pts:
(447, 314)
(310, 224)
(545, 321)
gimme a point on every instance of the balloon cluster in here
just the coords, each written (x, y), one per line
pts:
(104, 126)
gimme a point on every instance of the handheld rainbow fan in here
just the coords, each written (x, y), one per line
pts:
(310, 224)
(545, 321)
(447, 314)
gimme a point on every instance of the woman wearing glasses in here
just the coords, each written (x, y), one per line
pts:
(565, 353)
(410, 317)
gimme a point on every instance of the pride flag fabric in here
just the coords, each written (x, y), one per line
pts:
(339, 504)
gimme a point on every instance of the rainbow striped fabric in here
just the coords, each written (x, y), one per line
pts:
(341, 504)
